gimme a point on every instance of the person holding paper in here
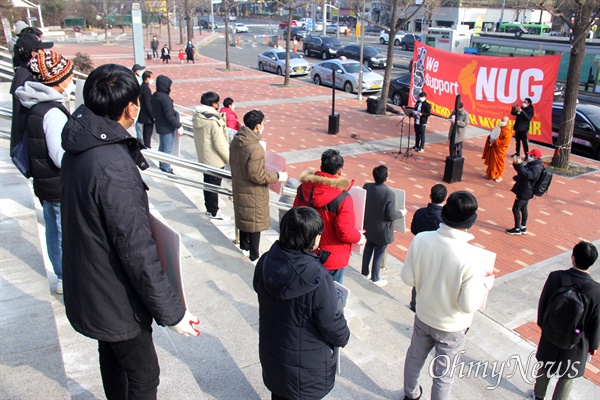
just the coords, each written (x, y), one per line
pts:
(327, 192)
(450, 277)
(250, 182)
(300, 321)
(114, 284)
(461, 119)
(380, 214)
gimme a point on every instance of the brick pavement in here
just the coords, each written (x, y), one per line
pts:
(297, 118)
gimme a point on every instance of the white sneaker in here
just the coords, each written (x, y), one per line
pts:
(219, 216)
(246, 252)
(59, 288)
(381, 283)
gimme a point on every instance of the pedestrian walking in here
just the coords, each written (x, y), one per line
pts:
(166, 119)
(114, 283)
(212, 147)
(295, 346)
(451, 285)
(527, 176)
(190, 51)
(380, 214)
(558, 324)
(44, 99)
(165, 54)
(154, 47)
(327, 192)
(250, 182)
(181, 56)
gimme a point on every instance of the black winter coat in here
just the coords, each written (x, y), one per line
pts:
(527, 177)
(299, 324)
(146, 113)
(166, 119)
(380, 214)
(523, 119)
(427, 219)
(425, 112)
(19, 113)
(575, 359)
(113, 280)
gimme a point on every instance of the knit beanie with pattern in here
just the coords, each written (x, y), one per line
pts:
(49, 67)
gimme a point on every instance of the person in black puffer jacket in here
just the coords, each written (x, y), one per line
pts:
(300, 321)
(166, 119)
(114, 283)
(527, 176)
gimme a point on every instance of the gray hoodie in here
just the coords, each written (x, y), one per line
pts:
(33, 93)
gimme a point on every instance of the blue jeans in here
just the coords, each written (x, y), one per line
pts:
(337, 274)
(138, 130)
(53, 235)
(376, 251)
(166, 146)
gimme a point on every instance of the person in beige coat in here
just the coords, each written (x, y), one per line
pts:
(250, 180)
(212, 146)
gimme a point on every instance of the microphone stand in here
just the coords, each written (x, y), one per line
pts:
(401, 134)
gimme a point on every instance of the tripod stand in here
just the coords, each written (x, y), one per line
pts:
(410, 114)
(401, 134)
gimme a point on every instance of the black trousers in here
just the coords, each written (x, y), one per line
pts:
(129, 368)
(277, 397)
(147, 130)
(521, 137)
(520, 212)
(419, 136)
(211, 199)
(250, 241)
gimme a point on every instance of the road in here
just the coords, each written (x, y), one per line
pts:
(255, 42)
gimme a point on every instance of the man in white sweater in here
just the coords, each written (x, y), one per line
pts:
(451, 286)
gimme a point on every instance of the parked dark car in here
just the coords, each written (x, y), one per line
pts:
(408, 41)
(205, 23)
(586, 133)
(321, 46)
(372, 57)
(399, 90)
(298, 33)
(373, 30)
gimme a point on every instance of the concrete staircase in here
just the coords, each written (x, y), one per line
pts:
(43, 357)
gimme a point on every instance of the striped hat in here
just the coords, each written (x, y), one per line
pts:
(49, 67)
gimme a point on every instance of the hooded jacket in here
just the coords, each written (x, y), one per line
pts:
(527, 177)
(250, 182)
(210, 137)
(46, 118)
(166, 119)
(300, 323)
(113, 280)
(318, 190)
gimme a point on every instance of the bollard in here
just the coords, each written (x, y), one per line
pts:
(239, 42)
(295, 46)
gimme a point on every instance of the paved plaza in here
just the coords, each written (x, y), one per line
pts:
(42, 357)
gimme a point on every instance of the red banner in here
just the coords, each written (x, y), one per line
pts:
(489, 86)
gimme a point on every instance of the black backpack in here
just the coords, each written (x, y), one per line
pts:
(564, 318)
(543, 183)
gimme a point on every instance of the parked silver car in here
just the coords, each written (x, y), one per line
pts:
(274, 60)
(346, 75)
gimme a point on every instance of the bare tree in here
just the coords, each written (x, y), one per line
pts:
(104, 8)
(290, 6)
(579, 15)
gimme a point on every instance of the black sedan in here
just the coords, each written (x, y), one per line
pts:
(372, 57)
(399, 90)
(298, 33)
(586, 132)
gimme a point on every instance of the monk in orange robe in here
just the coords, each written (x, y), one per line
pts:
(494, 151)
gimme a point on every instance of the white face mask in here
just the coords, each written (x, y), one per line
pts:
(502, 123)
(152, 82)
(138, 114)
(233, 106)
(524, 105)
(422, 99)
(262, 128)
(69, 89)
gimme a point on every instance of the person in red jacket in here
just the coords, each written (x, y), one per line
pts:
(232, 120)
(327, 192)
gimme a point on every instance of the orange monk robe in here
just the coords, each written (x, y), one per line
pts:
(494, 154)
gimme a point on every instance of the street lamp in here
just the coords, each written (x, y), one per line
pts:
(325, 18)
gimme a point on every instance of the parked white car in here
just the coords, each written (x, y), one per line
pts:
(274, 60)
(334, 28)
(239, 27)
(384, 37)
(346, 75)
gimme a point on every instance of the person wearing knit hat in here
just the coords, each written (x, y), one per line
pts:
(45, 100)
(451, 284)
